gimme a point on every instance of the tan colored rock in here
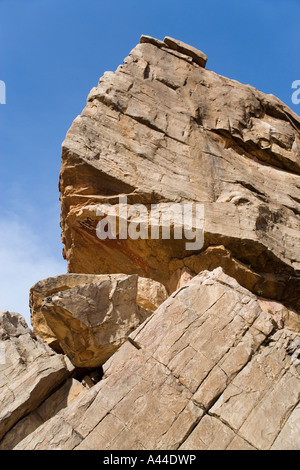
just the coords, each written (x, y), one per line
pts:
(29, 373)
(215, 256)
(149, 39)
(179, 278)
(87, 382)
(46, 288)
(217, 365)
(209, 370)
(63, 436)
(183, 50)
(150, 294)
(210, 434)
(91, 321)
(199, 57)
(162, 130)
(290, 428)
(60, 399)
(283, 316)
(21, 430)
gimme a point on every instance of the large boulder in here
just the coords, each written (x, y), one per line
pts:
(92, 320)
(164, 130)
(210, 369)
(149, 295)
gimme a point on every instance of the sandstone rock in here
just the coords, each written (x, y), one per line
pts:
(20, 431)
(288, 438)
(210, 370)
(87, 382)
(179, 278)
(283, 316)
(217, 365)
(162, 130)
(156, 42)
(29, 372)
(150, 294)
(46, 288)
(91, 321)
(180, 46)
(60, 399)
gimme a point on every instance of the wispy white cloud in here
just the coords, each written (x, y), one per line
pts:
(25, 259)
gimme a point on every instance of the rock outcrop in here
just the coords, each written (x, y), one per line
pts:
(210, 369)
(89, 316)
(92, 321)
(60, 399)
(178, 324)
(163, 129)
(29, 373)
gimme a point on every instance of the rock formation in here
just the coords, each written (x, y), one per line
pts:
(200, 341)
(210, 369)
(163, 129)
(89, 316)
(29, 373)
(91, 321)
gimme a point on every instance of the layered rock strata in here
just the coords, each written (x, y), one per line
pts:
(163, 129)
(199, 343)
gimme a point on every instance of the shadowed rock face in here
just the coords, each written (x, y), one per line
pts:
(213, 368)
(164, 129)
(30, 372)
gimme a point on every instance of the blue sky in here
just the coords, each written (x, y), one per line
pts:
(52, 52)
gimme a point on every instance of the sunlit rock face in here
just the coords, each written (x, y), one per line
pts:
(172, 346)
(212, 368)
(164, 129)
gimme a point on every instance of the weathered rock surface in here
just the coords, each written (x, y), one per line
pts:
(210, 369)
(29, 372)
(60, 399)
(163, 129)
(216, 365)
(185, 49)
(149, 294)
(91, 321)
(46, 288)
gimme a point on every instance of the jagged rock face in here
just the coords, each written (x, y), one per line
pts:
(216, 364)
(89, 316)
(164, 129)
(210, 369)
(29, 372)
